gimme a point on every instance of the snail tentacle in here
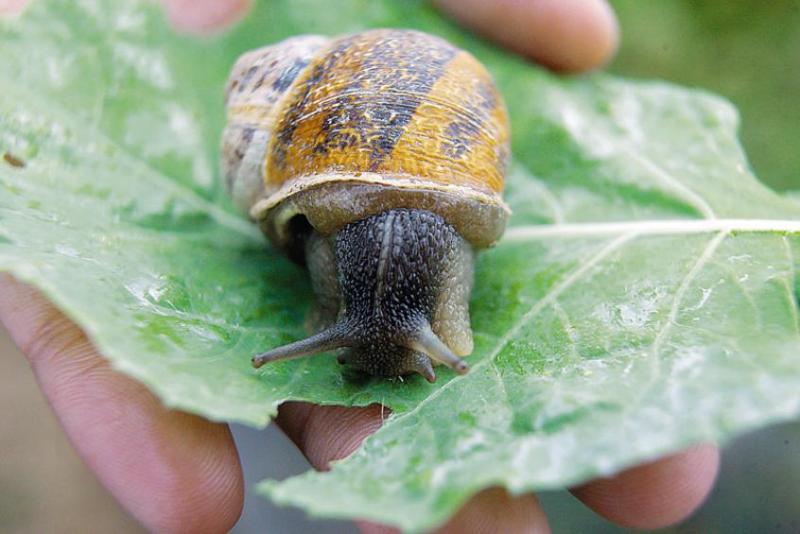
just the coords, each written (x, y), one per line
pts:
(335, 337)
(429, 343)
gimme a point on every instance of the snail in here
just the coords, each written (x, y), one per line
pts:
(377, 159)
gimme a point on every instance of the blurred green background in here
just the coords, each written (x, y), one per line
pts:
(748, 51)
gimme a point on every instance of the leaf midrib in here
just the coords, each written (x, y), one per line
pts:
(650, 227)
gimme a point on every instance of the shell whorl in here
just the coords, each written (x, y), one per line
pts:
(259, 80)
(339, 129)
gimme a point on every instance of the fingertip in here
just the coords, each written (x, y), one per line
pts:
(496, 510)
(202, 17)
(565, 35)
(327, 433)
(199, 486)
(12, 8)
(368, 527)
(585, 32)
(657, 494)
(489, 511)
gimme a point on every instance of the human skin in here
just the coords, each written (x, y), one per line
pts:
(176, 472)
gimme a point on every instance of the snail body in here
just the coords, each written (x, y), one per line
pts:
(377, 159)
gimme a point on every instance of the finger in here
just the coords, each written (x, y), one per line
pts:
(566, 35)
(10, 8)
(490, 511)
(204, 16)
(189, 16)
(657, 494)
(327, 433)
(172, 471)
(495, 510)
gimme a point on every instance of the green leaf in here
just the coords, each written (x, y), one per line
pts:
(643, 299)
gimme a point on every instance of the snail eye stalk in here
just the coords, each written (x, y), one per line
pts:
(426, 342)
(331, 338)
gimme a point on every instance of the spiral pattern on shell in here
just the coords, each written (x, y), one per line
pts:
(340, 129)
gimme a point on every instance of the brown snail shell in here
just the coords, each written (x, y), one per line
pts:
(412, 119)
(335, 131)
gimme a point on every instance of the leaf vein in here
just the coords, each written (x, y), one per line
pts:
(569, 328)
(541, 304)
(690, 196)
(704, 258)
(792, 284)
(152, 174)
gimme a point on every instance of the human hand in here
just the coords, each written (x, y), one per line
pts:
(178, 472)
